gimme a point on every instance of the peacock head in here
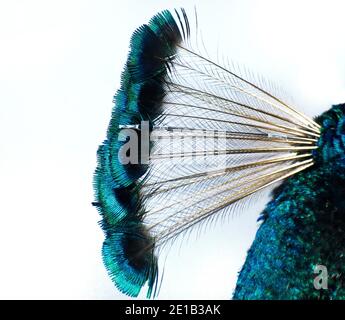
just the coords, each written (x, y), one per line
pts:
(331, 144)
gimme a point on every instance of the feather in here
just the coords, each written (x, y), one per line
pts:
(205, 137)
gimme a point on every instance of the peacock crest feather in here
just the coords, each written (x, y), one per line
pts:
(190, 140)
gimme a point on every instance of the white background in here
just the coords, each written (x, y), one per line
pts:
(60, 64)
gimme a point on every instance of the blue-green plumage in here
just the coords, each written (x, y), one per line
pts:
(303, 226)
(127, 250)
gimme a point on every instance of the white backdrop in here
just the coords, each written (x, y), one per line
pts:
(60, 64)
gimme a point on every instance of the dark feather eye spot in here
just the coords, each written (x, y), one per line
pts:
(135, 247)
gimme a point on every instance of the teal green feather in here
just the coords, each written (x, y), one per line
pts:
(129, 272)
(110, 208)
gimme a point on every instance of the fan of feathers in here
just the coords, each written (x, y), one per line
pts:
(189, 140)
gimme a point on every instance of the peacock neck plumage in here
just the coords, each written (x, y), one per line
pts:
(302, 227)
